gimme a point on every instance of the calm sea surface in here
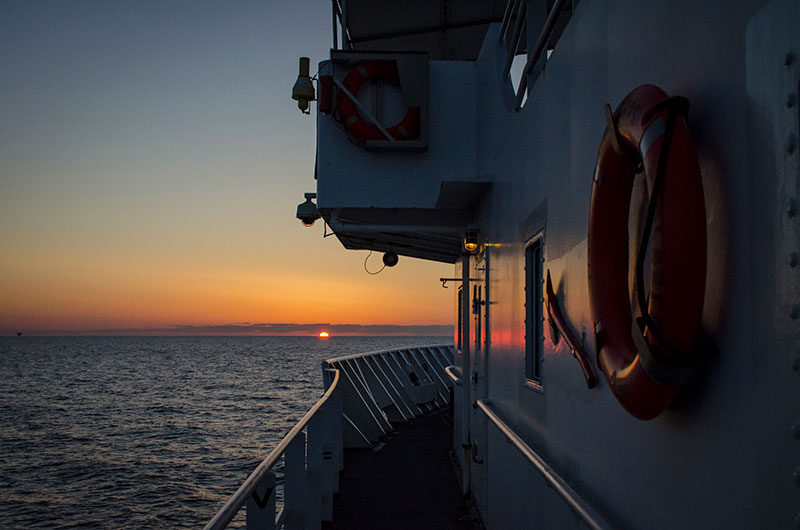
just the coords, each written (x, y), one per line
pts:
(148, 432)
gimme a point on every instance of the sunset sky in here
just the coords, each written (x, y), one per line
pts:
(151, 161)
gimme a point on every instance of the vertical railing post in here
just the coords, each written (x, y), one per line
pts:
(466, 372)
(327, 476)
(345, 36)
(260, 507)
(335, 36)
(336, 414)
(314, 478)
(337, 409)
(330, 473)
(295, 483)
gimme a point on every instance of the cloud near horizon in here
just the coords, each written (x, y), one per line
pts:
(263, 328)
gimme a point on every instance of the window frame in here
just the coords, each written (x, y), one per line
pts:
(534, 312)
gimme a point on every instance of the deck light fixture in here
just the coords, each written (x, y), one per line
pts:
(471, 239)
(303, 89)
(307, 211)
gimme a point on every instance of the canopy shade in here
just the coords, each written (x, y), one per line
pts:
(446, 29)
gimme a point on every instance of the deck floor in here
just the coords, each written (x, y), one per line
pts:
(408, 482)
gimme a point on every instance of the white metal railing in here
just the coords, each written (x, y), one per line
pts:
(312, 461)
(340, 19)
(581, 508)
(364, 392)
(517, 10)
(382, 387)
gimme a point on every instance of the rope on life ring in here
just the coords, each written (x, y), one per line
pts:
(360, 129)
(645, 360)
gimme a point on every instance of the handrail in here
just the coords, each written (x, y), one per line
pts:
(226, 514)
(377, 352)
(451, 373)
(578, 505)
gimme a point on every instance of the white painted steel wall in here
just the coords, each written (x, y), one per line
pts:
(723, 455)
(352, 177)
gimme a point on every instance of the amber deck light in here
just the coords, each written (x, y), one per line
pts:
(471, 239)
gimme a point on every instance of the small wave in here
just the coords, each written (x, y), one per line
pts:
(123, 430)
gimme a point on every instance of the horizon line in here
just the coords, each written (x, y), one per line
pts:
(257, 329)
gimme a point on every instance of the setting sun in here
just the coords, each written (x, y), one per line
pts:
(323, 334)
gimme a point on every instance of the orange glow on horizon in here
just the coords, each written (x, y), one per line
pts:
(324, 334)
(94, 291)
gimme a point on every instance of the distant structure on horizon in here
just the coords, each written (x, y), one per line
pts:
(19, 333)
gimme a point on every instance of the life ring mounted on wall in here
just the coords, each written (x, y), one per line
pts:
(408, 128)
(645, 360)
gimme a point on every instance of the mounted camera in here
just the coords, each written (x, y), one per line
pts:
(307, 211)
(390, 258)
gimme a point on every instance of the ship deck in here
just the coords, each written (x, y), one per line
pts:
(407, 481)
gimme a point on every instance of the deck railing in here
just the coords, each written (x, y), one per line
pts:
(312, 453)
(364, 394)
(382, 387)
(578, 505)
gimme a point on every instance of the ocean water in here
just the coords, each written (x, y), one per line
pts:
(148, 432)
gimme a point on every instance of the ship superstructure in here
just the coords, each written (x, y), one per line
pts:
(511, 161)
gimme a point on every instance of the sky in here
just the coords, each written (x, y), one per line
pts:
(151, 161)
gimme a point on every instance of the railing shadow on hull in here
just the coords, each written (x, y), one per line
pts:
(364, 393)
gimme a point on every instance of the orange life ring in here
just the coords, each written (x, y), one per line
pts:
(354, 124)
(645, 365)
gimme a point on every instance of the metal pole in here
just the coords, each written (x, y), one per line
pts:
(345, 41)
(541, 44)
(335, 32)
(466, 373)
(515, 37)
(506, 20)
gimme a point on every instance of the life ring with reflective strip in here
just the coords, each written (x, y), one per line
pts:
(646, 360)
(361, 129)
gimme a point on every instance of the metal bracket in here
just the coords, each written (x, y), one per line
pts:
(325, 232)
(475, 455)
(557, 320)
(616, 141)
(445, 280)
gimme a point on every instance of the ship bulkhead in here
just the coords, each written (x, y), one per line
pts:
(601, 385)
